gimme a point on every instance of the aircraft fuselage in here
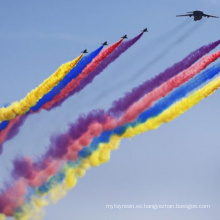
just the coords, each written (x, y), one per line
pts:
(197, 15)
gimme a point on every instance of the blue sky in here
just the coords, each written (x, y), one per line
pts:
(175, 164)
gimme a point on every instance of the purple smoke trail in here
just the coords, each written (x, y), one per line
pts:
(129, 98)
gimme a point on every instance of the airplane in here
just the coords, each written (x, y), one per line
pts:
(105, 43)
(85, 51)
(145, 30)
(125, 36)
(198, 15)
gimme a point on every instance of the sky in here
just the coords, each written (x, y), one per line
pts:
(175, 164)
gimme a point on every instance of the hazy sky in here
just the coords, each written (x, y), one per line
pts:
(175, 164)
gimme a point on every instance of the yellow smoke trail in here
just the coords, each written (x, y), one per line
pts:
(22, 106)
(102, 155)
(2, 217)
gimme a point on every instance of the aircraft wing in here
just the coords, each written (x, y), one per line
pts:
(190, 15)
(210, 16)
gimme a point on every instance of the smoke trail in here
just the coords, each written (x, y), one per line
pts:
(170, 33)
(59, 185)
(21, 107)
(122, 104)
(74, 73)
(70, 90)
